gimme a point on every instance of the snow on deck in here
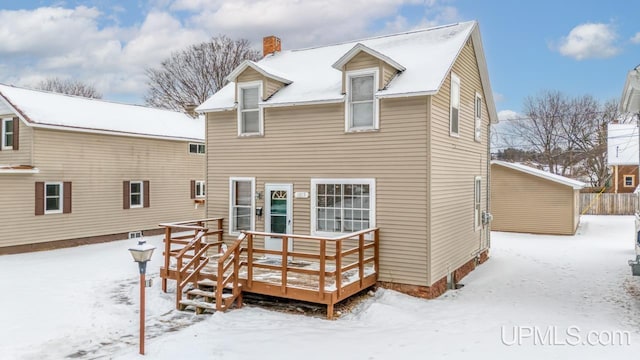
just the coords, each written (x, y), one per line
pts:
(84, 301)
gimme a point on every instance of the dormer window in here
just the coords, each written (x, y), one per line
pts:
(361, 111)
(249, 111)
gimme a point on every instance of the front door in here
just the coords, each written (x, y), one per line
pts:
(279, 214)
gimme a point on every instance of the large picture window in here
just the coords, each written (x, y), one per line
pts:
(342, 205)
(241, 204)
(249, 112)
(361, 109)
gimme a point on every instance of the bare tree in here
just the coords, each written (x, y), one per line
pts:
(568, 136)
(69, 87)
(190, 76)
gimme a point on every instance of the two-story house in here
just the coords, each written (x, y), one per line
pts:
(389, 132)
(75, 170)
(622, 157)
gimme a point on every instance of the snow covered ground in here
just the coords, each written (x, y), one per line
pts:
(571, 293)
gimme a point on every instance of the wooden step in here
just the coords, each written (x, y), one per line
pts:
(200, 306)
(208, 296)
(214, 284)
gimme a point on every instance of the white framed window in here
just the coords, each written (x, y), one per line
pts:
(478, 118)
(7, 134)
(200, 189)
(477, 203)
(136, 194)
(242, 192)
(361, 110)
(629, 180)
(454, 107)
(250, 117)
(195, 148)
(53, 197)
(341, 206)
(135, 234)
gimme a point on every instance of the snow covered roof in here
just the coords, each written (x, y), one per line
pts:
(622, 144)
(541, 174)
(65, 112)
(262, 69)
(427, 55)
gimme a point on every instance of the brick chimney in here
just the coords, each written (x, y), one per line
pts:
(270, 45)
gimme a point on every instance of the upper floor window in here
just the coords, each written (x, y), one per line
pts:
(249, 112)
(454, 113)
(478, 117)
(7, 133)
(362, 106)
(196, 148)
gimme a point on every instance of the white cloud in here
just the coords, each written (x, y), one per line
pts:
(74, 42)
(636, 38)
(590, 40)
(506, 115)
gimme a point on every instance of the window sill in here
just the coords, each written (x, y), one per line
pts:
(454, 135)
(361, 130)
(199, 201)
(52, 212)
(250, 135)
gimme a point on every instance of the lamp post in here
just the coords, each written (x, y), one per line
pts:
(142, 254)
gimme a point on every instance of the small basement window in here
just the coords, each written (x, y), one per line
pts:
(135, 234)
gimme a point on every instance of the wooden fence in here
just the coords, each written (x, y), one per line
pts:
(608, 204)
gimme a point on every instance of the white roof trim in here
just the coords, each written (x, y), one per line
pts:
(9, 170)
(575, 184)
(338, 65)
(629, 102)
(301, 103)
(111, 132)
(484, 74)
(261, 69)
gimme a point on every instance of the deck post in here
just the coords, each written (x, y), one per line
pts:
(167, 256)
(285, 264)
(330, 311)
(361, 258)
(178, 281)
(249, 260)
(338, 268)
(323, 264)
(376, 251)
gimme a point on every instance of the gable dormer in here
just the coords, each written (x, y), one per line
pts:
(250, 72)
(362, 57)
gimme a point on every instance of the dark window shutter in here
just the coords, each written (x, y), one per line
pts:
(16, 133)
(126, 198)
(193, 189)
(145, 188)
(66, 202)
(39, 198)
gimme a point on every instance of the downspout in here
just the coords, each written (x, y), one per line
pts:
(488, 185)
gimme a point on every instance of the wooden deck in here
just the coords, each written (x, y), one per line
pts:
(336, 269)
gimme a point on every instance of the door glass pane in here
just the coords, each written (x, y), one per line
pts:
(362, 88)
(279, 207)
(279, 224)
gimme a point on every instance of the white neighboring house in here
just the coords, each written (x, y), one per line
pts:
(77, 170)
(622, 156)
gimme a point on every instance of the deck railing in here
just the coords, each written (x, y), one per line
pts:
(229, 275)
(351, 251)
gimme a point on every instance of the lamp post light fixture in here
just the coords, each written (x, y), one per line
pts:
(142, 254)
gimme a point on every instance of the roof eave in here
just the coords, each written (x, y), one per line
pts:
(248, 63)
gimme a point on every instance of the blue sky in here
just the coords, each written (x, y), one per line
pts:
(577, 47)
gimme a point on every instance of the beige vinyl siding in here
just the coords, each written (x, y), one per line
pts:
(455, 161)
(388, 72)
(521, 202)
(97, 165)
(24, 155)
(271, 86)
(305, 142)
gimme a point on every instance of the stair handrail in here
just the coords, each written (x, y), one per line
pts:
(223, 266)
(198, 262)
